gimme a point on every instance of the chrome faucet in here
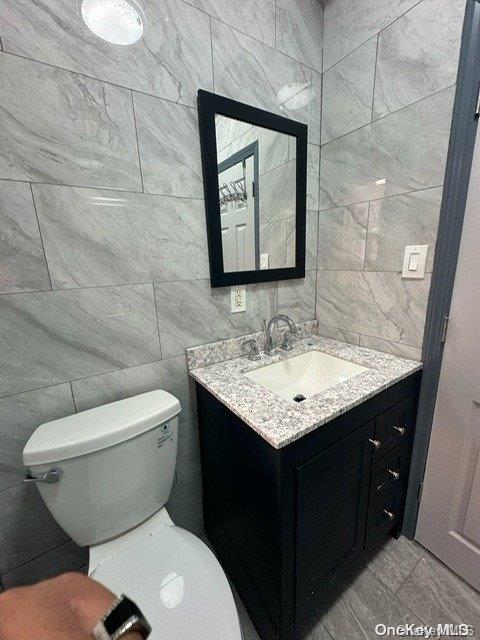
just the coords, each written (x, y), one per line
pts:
(286, 345)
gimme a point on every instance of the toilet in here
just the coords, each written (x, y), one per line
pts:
(106, 474)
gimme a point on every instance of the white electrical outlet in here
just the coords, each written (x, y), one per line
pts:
(264, 261)
(238, 299)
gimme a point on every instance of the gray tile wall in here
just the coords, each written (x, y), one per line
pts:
(388, 89)
(103, 260)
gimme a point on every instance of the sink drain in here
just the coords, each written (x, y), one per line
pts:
(299, 398)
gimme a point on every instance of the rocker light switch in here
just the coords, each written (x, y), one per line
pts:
(414, 261)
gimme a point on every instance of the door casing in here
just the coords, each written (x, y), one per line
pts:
(457, 179)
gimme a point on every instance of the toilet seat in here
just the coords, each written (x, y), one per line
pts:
(177, 582)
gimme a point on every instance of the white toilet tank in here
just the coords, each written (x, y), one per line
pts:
(117, 465)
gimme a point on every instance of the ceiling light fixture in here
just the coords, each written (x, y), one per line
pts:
(116, 21)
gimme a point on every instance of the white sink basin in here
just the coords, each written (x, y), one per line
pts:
(305, 375)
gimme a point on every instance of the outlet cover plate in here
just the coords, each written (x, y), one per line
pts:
(238, 299)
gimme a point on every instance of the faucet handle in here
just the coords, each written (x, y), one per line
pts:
(250, 349)
(287, 343)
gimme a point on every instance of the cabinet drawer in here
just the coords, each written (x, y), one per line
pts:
(393, 427)
(383, 516)
(389, 473)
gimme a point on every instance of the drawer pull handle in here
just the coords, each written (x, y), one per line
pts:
(390, 515)
(401, 430)
(376, 443)
(395, 474)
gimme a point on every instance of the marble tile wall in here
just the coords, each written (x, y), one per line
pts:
(103, 260)
(389, 73)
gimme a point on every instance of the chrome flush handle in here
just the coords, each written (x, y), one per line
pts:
(52, 476)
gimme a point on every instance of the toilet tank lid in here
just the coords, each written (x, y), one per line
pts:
(99, 428)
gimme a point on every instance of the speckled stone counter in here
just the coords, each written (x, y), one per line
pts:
(280, 421)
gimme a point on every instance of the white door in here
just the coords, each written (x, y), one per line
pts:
(238, 219)
(449, 517)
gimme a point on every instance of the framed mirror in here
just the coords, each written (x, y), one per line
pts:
(255, 176)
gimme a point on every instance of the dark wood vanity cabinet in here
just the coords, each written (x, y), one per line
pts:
(290, 524)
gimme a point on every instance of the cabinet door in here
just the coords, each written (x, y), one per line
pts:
(332, 495)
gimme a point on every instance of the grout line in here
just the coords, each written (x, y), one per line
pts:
(323, 34)
(211, 53)
(61, 185)
(40, 555)
(73, 396)
(261, 42)
(137, 142)
(95, 286)
(393, 195)
(322, 125)
(292, 160)
(373, 35)
(94, 375)
(366, 239)
(156, 318)
(130, 88)
(392, 593)
(400, 344)
(113, 371)
(82, 74)
(275, 25)
(385, 271)
(374, 79)
(41, 241)
(407, 106)
(136, 284)
(407, 577)
(230, 142)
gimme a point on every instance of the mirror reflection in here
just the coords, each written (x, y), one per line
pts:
(256, 184)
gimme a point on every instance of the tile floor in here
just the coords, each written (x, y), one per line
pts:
(401, 583)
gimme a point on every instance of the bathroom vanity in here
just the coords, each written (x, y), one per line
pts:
(296, 493)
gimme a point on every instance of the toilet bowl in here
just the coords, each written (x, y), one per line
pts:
(106, 474)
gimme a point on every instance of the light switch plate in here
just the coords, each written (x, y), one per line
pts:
(264, 261)
(238, 299)
(415, 261)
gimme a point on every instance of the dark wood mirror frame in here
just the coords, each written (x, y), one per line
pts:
(209, 105)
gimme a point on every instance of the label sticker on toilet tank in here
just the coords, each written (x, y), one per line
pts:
(166, 436)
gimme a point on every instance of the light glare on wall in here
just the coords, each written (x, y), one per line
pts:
(295, 95)
(116, 21)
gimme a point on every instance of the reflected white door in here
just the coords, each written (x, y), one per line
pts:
(449, 517)
(238, 220)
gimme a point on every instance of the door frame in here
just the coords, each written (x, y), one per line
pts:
(244, 153)
(457, 180)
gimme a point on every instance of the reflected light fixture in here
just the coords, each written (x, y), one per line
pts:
(116, 21)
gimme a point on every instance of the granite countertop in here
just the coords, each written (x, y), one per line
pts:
(281, 421)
